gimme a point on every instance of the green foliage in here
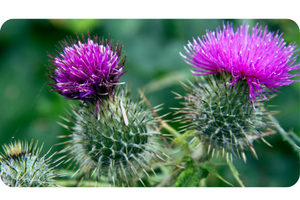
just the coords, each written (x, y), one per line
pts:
(191, 176)
(193, 173)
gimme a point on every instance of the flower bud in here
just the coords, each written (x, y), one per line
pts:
(21, 166)
(223, 116)
(117, 143)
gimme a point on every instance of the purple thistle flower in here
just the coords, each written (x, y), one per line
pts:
(86, 71)
(260, 58)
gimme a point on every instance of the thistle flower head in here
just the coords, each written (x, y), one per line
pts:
(261, 58)
(21, 166)
(118, 143)
(87, 70)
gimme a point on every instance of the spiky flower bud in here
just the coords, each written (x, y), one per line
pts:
(222, 116)
(21, 166)
(118, 143)
(86, 70)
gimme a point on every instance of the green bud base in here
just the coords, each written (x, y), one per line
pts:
(223, 116)
(22, 167)
(118, 142)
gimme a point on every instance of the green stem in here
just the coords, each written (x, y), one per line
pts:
(170, 129)
(295, 137)
(201, 154)
(284, 134)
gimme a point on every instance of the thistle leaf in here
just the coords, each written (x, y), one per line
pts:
(191, 177)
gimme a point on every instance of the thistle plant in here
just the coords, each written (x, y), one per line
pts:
(238, 67)
(114, 139)
(22, 166)
(117, 142)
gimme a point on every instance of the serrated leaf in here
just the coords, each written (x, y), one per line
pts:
(189, 161)
(214, 172)
(191, 177)
(234, 171)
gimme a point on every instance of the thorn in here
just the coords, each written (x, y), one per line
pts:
(266, 142)
(75, 173)
(63, 136)
(64, 118)
(227, 156)
(160, 158)
(178, 95)
(98, 115)
(78, 183)
(166, 155)
(198, 145)
(63, 125)
(213, 152)
(93, 171)
(62, 157)
(253, 151)
(238, 153)
(179, 166)
(244, 156)
(66, 142)
(153, 171)
(124, 113)
(192, 140)
(218, 152)
(208, 149)
(146, 172)
(142, 182)
(113, 179)
(127, 182)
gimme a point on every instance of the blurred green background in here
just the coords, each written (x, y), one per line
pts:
(28, 110)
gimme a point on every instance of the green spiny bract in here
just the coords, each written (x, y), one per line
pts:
(222, 116)
(21, 166)
(117, 142)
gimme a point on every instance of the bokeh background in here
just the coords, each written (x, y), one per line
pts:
(29, 111)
